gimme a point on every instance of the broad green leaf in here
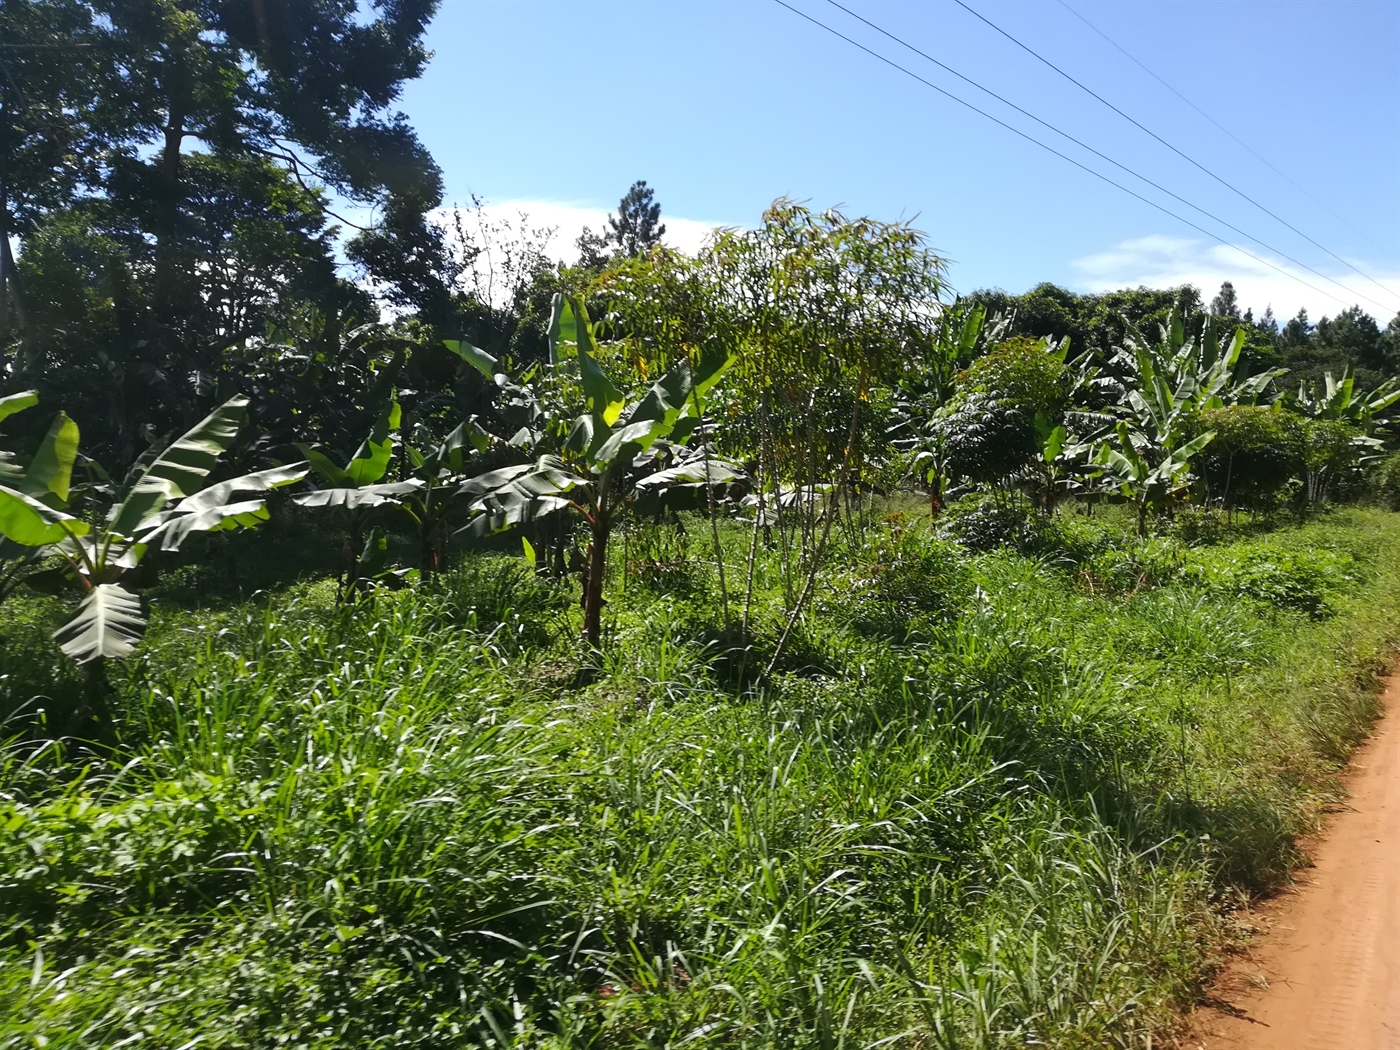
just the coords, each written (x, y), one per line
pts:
(971, 329)
(582, 435)
(512, 508)
(451, 454)
(259, 481)
(179, 527)
(694, 472)
(604, 399)
(633, 438)
(51, 469)
(26, 521)
(568, 326)
(474, 356)
(374, 558)
(363, 496)
(1380, 404)
(371, 462)
(322, 465)
(1232, 355)
(108, 626)
(181, 469)
(1193, 446)
(210, 510)
(12, 403)
(1177, 333)
(529, 552)
(1053, 444)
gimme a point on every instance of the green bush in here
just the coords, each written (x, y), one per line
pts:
(1330, 453)
(1385, 481)
(991, 428)
(983, 522)
(1304, 580)
(504, 597)
(907, 580)
(1256, 454)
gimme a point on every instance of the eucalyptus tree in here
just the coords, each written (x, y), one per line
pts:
(664, 309)
(824, 309)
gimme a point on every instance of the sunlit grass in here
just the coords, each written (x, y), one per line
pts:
(427, 819)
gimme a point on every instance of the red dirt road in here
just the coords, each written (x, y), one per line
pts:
(1326, 973)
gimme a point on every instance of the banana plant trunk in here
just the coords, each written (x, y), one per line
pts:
(593, 583)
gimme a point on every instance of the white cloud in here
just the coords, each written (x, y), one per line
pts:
(1159, 261)
(568, 220)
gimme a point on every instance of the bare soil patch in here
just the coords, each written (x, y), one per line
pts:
(1324, 973)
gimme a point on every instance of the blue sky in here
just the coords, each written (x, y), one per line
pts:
(555, 108)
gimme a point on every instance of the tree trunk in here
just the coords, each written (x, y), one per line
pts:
(92, 721)
(593, 582)
(4, 237)
(714, 523)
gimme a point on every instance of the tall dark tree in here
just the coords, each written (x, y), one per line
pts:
(636, 228)
(173, 204)
(1352, 334)
(1298, 331)
(1226, 304)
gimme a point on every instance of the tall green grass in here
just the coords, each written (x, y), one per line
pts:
(993, 799)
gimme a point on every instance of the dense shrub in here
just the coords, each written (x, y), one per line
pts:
(982, 522)
(1330, 453)
(1005, 402)
(1304, 580)
(504, 597)
(907, 580)
(1255, 454)
(1385, 481)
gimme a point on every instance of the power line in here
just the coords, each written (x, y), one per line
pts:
(1051, 149)
(1103, 156)
(1242, 144)
(1164, 142)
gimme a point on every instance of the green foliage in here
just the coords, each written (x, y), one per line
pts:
(905, 583)
(1306, 580)
(405, 822)
(1385, 479)
(1005, 403)
(1255, 454)
(504, 599)
(986, 523)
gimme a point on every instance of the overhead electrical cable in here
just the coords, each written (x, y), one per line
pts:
(1186, 157)
(1103, 156)
(1051, 149)
(1240, 142)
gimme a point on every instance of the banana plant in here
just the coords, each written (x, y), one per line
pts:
(1339, 400)
(440, 470)
(1151, 476)
(1177, 373)
(356, 488)
(163, 502)
(1342, 426)
(963, 331)
(616, 456)
(33, 492)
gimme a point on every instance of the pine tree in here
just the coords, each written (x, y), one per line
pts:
(1226, 304)
(635, 229)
